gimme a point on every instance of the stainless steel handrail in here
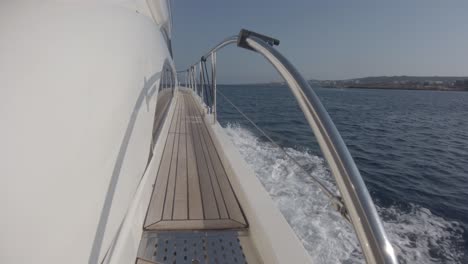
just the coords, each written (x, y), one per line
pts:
(357, 200)
(222, 44)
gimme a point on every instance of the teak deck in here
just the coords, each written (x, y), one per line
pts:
(192, 189)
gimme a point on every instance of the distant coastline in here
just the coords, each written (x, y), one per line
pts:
(434, 83)
(421, 83)
(398, 88)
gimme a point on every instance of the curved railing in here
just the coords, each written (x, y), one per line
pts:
(357, 206)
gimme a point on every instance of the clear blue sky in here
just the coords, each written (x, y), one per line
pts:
(328, 39)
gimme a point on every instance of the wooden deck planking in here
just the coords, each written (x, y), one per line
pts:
(195, 199)
(192, 190)
(210, 208)
(181, 189)
(157, 199)
(198, 224)
(211, 173)
(170, 189)
(230, 199)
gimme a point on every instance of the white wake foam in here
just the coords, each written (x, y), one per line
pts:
(418, 235)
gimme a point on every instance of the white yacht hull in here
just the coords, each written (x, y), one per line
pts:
(79, 87)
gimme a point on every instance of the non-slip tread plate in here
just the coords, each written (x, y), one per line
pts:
(193, 247)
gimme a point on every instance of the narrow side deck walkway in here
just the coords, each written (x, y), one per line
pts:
(192, 189)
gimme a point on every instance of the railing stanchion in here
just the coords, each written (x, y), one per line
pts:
(194, 83)
(213, 82)
(195, 78)
(191, 77)
(202, 82)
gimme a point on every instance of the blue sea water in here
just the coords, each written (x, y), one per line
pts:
(410, 146)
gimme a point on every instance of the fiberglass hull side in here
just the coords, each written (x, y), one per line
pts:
(79, 89)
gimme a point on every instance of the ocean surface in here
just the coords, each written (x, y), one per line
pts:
(410, 146)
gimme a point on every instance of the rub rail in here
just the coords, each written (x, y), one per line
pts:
(358, 203)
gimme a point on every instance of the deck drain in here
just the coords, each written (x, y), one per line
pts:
(217, 247)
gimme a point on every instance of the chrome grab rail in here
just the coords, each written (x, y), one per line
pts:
(357, 201)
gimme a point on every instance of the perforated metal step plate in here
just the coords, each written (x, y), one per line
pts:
(192, 247)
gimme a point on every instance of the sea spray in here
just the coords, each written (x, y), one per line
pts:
(417, 235)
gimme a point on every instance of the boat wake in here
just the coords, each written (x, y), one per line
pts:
(418, 236)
